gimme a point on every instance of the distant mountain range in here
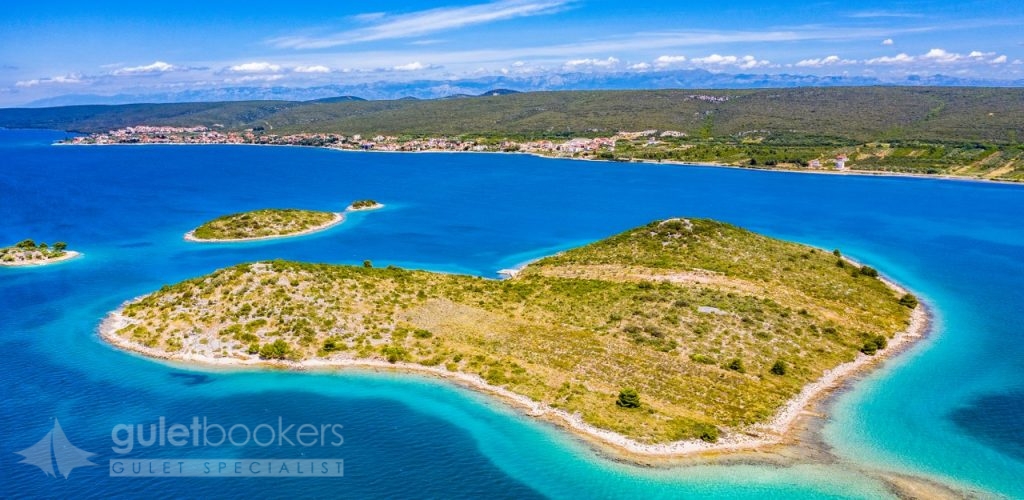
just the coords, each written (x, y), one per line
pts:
(435, 89)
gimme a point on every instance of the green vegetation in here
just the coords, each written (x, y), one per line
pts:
(874, 344)
(779, 368)
(364, 204)
(628, 398)
(29, 252)
(970, 132)
(909, 300)
(690, 314)
(263, 224)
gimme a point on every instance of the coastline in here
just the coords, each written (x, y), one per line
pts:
(785, 428)
(339, 217)
(68, 255)
(848, 172)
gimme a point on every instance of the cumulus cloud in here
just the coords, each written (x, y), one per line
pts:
(255, 67)
(888, 41)
(832, 60)
(999, 60)
(71, 78)
(319, 68)
(942, 56)
(900, 58)
(663, 61)
(158, 67)
(592, 63)
(641, 66)
(744, 62)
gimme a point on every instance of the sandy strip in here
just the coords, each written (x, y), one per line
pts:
(68, 255)
(338, 219)
(782, 428)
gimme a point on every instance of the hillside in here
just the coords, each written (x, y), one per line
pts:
(854, 114)
(715, 328)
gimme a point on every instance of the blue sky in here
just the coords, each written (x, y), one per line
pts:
(55, 48)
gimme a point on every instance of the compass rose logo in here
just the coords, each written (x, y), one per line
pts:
(53, 449)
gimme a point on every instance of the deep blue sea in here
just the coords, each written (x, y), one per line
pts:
(951, 408)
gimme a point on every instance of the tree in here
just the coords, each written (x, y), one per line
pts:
(869, 271)
(60, 246)
(367, 264)
(628, 398)
(837, 253)
(26, 244)
(779, 368)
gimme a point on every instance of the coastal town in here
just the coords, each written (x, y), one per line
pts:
(640, 145)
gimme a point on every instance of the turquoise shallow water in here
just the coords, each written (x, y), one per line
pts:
(949, 408)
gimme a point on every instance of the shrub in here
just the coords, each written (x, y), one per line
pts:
(874, 344)
(707, 432)
(278, 349)
(779, 368)
(367, 264)
(869, 271)
(628, 398)
(837, 253)
(736, 365)
(394, 353)
(908, 300)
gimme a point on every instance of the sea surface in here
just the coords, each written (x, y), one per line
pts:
(950, 409)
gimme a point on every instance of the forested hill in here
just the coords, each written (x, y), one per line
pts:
(854, 114)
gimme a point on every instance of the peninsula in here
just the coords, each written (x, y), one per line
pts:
(264, 224)
(29, 253)
(678, 336)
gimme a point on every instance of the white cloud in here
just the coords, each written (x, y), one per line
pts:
(319, 68)
(594, 63)
(426, 21)
(255, 67)
(888, 41)
(745, 62)
(999, 60)
(413, 66)
(663, 61)
(900, 58)
(640, 66)
(156, 68)
(942, 56)
(70, 78)
(825, 61)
